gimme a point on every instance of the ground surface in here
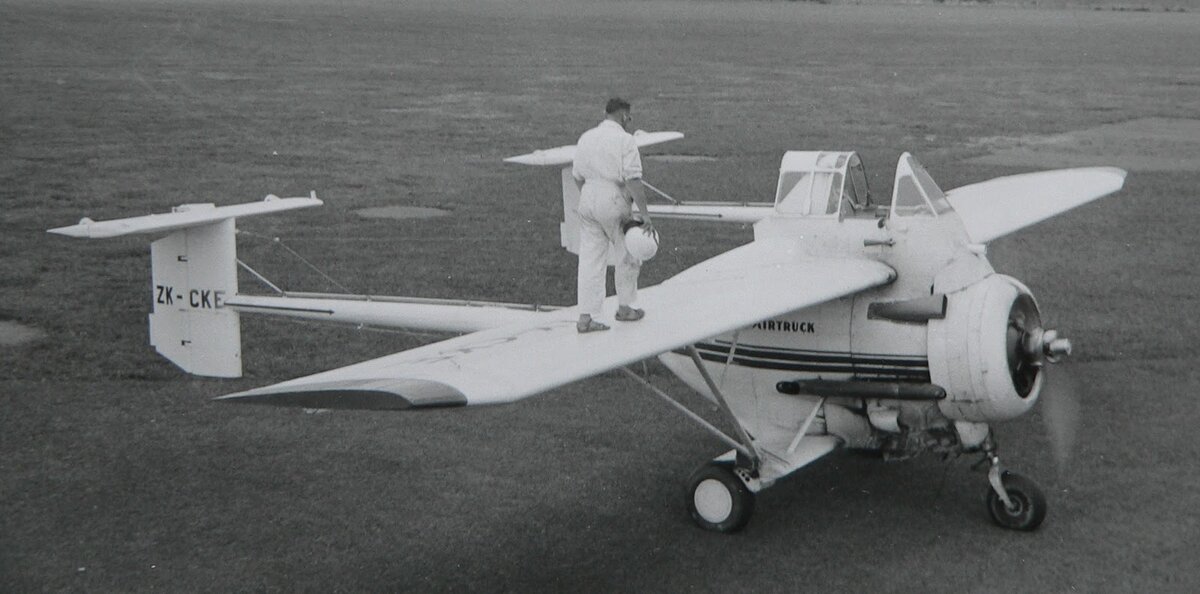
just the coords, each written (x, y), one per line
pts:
(118, 474)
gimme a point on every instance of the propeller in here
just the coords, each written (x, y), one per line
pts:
(1060, 401)
(1029, 348)
(1060, 414)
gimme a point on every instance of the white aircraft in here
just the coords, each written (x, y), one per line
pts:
(846, 322)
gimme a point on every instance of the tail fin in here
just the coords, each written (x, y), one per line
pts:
(565, 155)
(194, 270)
(568, 230)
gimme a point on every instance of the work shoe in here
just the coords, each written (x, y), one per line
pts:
(629, 314)
(589, 326)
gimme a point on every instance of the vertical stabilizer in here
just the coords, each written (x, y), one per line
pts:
(569, 228)
(565, 155)
(194, 270)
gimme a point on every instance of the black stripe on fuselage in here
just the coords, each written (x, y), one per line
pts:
(785, 354)
(871, 367)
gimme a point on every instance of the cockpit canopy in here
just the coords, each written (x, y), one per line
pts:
(821, 184)
(827, 184)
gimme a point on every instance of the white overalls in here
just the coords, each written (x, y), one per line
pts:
(605, 158)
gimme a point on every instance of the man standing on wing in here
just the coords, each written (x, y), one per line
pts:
(609, 166)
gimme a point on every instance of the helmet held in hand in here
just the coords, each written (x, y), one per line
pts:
(640, 243)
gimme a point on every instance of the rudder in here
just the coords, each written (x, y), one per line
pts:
(193, 272)
(568, 229)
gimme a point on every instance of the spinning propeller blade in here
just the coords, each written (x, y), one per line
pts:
(1061, 414)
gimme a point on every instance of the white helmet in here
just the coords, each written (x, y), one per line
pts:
(640, 244)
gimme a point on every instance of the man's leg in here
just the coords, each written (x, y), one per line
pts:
(626, 278)
(593, 264)
(627, 269)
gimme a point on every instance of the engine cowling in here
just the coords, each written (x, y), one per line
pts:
(989, 351)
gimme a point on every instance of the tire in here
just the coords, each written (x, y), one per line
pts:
(718, 500)
(1029, 505)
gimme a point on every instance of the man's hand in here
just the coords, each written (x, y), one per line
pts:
(635, 189)
(648, 225)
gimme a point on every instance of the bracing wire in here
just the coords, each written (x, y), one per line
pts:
(274, 287)
(261, 278)
(280, 243)
(659, 192)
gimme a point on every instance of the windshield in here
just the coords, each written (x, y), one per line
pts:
(915, 193)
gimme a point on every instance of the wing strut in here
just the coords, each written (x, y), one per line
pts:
(729, 360)
(804, 428)
(743, 445)
(741, 431)
(731, 442)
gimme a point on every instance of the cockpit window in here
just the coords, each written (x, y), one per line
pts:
(855, 192)
(823, 184)
(909, 202)
(835, 190)
(915, 193)
(935, 195)
(808, 192)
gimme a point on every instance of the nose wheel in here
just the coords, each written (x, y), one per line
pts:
(719, 499)
(1026, 506)
(1013, 501)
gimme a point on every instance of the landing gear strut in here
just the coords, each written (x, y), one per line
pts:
(1014, 502)
(719, 494)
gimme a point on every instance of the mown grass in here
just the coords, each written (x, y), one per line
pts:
(115, 462)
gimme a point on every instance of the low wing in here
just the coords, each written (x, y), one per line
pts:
(564, 155)
(997, 207)
(738, 288)
(413, 313)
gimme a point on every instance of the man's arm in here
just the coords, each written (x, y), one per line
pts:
(631, 166)
(638, 191)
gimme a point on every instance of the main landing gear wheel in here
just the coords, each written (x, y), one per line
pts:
(718, 499)
(1028, 504)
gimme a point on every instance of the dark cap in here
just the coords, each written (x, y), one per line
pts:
(616, 104)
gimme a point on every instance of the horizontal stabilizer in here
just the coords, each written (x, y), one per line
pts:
(997, 207)
(724, 212)
(182, 217)
(734, 290)
(564, 155)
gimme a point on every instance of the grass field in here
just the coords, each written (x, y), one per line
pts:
(118, 474)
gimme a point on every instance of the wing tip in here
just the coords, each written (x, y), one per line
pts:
(1117, 171)
(1102, 169)
(70, 231)
(664, 135)
(520, 159)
